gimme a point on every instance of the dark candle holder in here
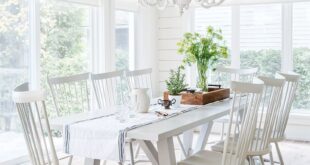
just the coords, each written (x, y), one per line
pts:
(166, 103)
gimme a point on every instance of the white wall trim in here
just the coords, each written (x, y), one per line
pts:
(235, 38)
(287, 37)
(109, 34)
(146, 41)
(34, 17)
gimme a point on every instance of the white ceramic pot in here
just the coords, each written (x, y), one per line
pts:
(177, 100)
(141, 100)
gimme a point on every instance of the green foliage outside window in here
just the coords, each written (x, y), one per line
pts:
(14, 53)
(63, 44)
(302, 66)
(121, 59)
(269, 62)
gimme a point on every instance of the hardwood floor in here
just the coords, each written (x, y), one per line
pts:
(294, 153)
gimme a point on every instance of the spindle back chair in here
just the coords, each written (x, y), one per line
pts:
(70, 94)
(34, 120)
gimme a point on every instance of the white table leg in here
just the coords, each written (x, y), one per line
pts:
(205, 131)
(149, 150)
(188, 141)
(166, 155)
(89, 161)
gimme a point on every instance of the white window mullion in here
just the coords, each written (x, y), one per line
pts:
(97, 40)
(34, 17)
(131, 29)
(235, 37)
(189, 26)
(109, 34)
(287, 37)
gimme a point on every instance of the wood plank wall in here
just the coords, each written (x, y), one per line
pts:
(170, 32)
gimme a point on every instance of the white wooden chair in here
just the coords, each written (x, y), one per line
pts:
(224, 75)
(70, 94)
(288, 96)
(140, 79)
(107, 88)
(247, 97)
(269, 108)
(32, 112)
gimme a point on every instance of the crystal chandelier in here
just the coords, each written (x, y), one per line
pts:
(181, 4)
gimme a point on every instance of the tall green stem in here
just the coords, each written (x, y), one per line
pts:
(202, 77)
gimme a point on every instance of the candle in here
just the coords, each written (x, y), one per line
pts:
(166, 96)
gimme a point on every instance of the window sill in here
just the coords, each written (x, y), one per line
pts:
(299, 118)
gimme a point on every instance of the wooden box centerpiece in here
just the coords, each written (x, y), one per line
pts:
(202, 98)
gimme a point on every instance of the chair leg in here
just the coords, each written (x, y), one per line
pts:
(222, 131)
(132, 159)
(70, 160)
(279, 153)
(261, 160)
(250, 160)
(7, 123)
(271, 158)
(137, 152)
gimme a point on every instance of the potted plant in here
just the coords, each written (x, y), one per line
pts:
(204, 51)
(176, 84)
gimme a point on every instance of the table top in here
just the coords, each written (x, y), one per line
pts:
(181, 123)
(162, 129)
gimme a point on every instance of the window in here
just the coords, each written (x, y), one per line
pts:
(65, 41)
(14, 69)
(301, 53)
(219, 18)
(124, 39)
(261, 37)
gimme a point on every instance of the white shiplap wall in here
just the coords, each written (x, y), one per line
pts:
(170, 32)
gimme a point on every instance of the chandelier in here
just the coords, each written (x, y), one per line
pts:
(181, 4)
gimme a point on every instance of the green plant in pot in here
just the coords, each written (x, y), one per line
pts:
(204, 51)
(176, 84)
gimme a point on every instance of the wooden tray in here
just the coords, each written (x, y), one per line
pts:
(202, 98)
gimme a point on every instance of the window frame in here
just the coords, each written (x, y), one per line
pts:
(133, 34)
(287, 64)
(34, 73)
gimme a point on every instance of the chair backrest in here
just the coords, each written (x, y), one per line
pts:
(140, 79)
(107, 88)
(32, 113)
(224, 75)
(70, 94)
(246, 97)
(288, 96)
(269, 107)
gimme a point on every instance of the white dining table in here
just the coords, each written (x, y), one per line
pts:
(161, 133)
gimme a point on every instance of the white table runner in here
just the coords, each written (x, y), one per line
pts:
(103, 137)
